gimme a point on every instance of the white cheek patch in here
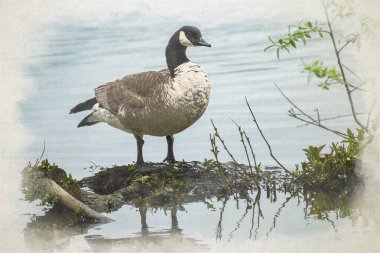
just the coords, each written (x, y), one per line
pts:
(184, 40)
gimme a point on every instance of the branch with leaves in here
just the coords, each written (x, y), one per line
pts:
(296, 34)
(302, 32)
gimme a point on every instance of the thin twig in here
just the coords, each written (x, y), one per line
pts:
(257, 167)
(245, 146)
(345, 44)
(331, 118)
(343, 135)
(311, 121)
(352, 72)
(215, 151)
(357, 88)
(370, 112)
(42, 154)
(262, 135)
(346, 85)
(224, 145)
(318, 117)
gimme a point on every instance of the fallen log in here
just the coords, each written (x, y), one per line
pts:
(66, 199)
(39, 183)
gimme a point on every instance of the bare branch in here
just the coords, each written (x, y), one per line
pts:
(216, 134)
(318, 117)
(352, 72)
(331, 118)
(370, 112)
(42, 154)
(345, 44)
(262, 135)
(253, 154)
(245, 146)
(346, 85)
(311, 120)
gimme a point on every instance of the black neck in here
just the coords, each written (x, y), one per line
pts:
(175, 53)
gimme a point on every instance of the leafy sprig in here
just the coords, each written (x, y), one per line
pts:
(328, 75)
(298, 33)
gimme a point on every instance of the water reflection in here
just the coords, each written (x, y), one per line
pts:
(237, 216)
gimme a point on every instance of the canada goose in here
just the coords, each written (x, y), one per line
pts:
(157, 103)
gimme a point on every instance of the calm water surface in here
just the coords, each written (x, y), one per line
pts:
(79, 56)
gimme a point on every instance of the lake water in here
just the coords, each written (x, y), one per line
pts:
(79, 56)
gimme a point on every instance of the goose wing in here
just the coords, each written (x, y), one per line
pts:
(132, 92)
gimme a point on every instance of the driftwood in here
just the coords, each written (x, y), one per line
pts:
(66, 199)
(49, 189)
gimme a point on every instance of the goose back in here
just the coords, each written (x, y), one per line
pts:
(153, 103)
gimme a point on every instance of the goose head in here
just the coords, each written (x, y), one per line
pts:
(186, 36)
(189, 36)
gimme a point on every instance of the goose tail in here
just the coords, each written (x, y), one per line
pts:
(89, 120)
(86, 105)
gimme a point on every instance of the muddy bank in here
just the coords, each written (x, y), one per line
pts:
(152, 184)
(156, 185)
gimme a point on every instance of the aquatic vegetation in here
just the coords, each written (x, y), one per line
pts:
(331, 170)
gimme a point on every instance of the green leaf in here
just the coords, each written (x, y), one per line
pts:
(265, 49)
(292, 43)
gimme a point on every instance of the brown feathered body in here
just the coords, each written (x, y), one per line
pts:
(154, 103)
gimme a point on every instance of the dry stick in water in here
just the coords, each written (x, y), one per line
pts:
(262, 135)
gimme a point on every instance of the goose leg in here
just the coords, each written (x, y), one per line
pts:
(170, 157)
(140, 143)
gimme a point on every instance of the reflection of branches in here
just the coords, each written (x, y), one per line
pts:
(331, 222)
(219, 226)
(144, 225)
(278, 214)
(259, 215)
(174, 228)
(309, 120)
(239, 221)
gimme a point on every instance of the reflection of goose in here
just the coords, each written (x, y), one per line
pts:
(148, 241)
(157, 103)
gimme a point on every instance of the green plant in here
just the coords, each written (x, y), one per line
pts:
(329, 75)
(333, 169)
(336, 167)
(296, 33)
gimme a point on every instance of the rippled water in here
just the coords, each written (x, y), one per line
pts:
(79, 56)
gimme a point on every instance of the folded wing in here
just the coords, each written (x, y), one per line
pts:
(133, 92)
